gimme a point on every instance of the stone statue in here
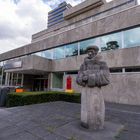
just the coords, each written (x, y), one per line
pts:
(93, 74)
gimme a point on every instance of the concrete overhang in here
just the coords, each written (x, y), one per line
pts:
(81, 8)
(30, 65)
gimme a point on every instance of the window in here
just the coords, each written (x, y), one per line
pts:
(111, 42)
(123, 39)
(116, 70)
(71, 72)
(59, 53)
(132, 69)
(71, 50)
(132, 38)
(48, 54)
(57, 81)
(38, 54)
(85, 44)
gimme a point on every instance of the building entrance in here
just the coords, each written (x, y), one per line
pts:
(40, 84)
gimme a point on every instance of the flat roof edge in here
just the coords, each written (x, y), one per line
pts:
(83, 7)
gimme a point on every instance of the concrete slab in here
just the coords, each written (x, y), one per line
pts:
(21, 136)
(54, 137)
(75, 131)
(61, 121)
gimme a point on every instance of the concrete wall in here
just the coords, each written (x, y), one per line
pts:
(33, 65)
(125, 19)
(99, 10)
(124, 88)
(82, 8)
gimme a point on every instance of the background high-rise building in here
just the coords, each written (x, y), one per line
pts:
(56, 16)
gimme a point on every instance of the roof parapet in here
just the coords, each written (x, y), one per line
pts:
(81, 8)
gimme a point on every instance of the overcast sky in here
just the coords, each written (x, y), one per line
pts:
(19, 19)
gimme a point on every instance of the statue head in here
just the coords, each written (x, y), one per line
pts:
(92, 51)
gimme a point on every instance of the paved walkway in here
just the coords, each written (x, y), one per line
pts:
(60, 120)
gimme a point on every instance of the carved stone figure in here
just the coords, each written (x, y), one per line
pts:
(93, 74)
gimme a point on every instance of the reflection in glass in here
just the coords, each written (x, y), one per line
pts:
(71, 50)
(59, 53)
(111, 42)
(132, 38)
(48, 54)
(85, 44)
(38, 54)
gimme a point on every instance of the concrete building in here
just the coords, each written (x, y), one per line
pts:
(56, 15)
(52, 59)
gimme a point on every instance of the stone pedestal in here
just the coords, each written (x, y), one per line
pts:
(92, 108)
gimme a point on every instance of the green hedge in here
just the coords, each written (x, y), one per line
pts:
(26, 98)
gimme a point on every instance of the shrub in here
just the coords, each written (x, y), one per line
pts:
(26, 98)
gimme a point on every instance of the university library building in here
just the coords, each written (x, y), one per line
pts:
(52, 60)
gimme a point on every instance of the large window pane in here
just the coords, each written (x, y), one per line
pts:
(48, 54)
(58, 53)
(87, 43)
(38, 54)
(132, 38)
(57, 81)
(111, 42)
(71, 50)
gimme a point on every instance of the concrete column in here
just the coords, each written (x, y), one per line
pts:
(2, 76)
(17, 79)
(6, 78)
(92, 108)
(64, 81)
(22, 79)
(11, 79)
(50, 81)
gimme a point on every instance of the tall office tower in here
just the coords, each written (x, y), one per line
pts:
(56, 16)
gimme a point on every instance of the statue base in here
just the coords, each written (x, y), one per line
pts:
(92, 108)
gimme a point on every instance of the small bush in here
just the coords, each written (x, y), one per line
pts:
(26, 98)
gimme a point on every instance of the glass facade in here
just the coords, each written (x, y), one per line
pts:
(123, 39)
(57, 81)
(71, 50)
(46, 54)
(56, 16)
(58, 53)
(111, 42)
(85, 44)
(132, 38)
